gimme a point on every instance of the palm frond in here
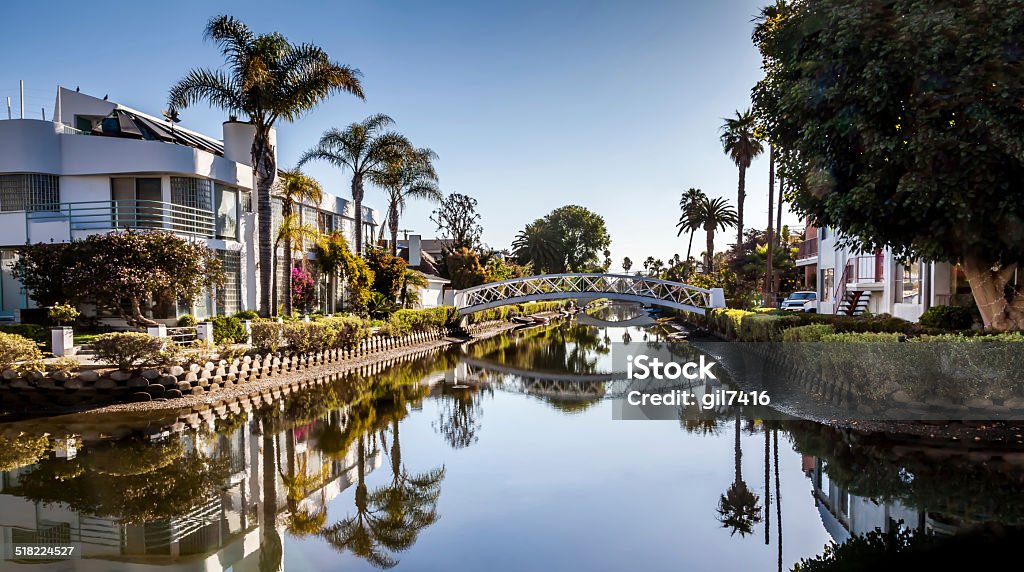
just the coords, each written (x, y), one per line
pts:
(216, 87)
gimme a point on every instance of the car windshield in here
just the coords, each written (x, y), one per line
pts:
(802, 296)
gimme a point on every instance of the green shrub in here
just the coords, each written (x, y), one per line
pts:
(347, 331)
(128, 350)
(304, 337)
(808, 333)
(229, 330)
(187, 321)
(34, 332)
(15, 349)
(948, 317)
(247, 315)
(62, 314)
(266, 336)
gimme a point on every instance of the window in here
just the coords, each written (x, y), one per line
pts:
(226, 199)
(29, 192)
(136, 202)
(827, 284)
(325, 222)
(245, 201)
(908, 287)
(195, 195)
(229, 297)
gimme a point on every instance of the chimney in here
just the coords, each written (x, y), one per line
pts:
(415, 247)
(238, 137)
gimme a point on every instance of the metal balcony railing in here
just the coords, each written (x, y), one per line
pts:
(807, 249)
(130, 214)
(868, 268)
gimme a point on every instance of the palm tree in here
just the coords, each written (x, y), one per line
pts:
(687, 221)
(713, 214)
(738, 508)
(627, 263)
(415, 279)
(366, 149)
(741, 144)
(293, 188)
(269, 79)
(292, 234)
(410, 177)
(539, 244)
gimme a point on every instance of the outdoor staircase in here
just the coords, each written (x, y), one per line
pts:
(85, 350)
(854, 302)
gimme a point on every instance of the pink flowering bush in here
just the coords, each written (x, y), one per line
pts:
(303, 290)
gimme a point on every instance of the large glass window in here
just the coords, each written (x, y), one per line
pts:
(229, 297)
(828, 284)
(136, 202)
(325, 222)
(909, 284)
(226, 199)
(29, 192)
(245, 201)
(195, 195)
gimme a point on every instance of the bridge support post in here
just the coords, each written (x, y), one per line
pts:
(717, 298)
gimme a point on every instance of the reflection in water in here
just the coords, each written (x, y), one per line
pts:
(350, 474)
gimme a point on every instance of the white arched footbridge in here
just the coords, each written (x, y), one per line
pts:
(589, 286)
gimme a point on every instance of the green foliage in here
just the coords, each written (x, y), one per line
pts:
(128, 350)
(187, 321)
(34, 332)
(42, 270)
(808, 333)
(458, 222)
(333, 255)
(21, 451)
(499, 269)
(568, 239)
(108, 269)
(948, 317)
(464, 268)
(388, 272)
(62, 314)
(247, 315)
(304, 337)
(379, 306)
(347, 331)
(267, 336)
(229, 330)
(917, 150)
(15, 349)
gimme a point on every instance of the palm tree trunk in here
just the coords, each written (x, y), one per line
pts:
(738, 454)
(767, 484)
(269, 487)
(778, 214)
(778, 496)
(265, 167)
(741, 195)
(357, 201)
(393, 223)
(770, 238)
(396, 450)
(710, 253)
(689, 249)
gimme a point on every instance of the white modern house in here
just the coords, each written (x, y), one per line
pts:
(99, 166)
(851, 283)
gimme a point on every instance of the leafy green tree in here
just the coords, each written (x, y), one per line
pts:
(269, 79)
(464, 268)
(333, 255)
(688, 209)
(124, 267)
(538, 244)
(582, 236)
(388, 272)
(295, 188)
(903, 123)
(42, 270)
(366, 149)
(411, 176)
(741, 143)
(458, 222)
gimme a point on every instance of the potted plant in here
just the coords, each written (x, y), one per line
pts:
(63, 337)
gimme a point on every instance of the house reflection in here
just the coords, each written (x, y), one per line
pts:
(218, 531)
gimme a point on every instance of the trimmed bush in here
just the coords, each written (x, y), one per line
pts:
(229, 330)
(15, 349)
(948, 317)
(34, 332)
(348, 331)
(62, 314)
(267, 336)
(247, 315)
(305, 337)
(187, 321)
(128, 350)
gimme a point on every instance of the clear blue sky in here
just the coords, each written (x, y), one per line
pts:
(612, 105)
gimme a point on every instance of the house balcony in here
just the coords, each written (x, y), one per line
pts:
(70, 221)
(807, 252)
(866, 272)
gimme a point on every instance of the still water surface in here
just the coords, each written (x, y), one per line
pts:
(443, 465)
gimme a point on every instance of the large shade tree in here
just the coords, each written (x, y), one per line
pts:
(269, 79)
(366, 148)
(905, 121)
(538, 244)
(741, 143)
(568, 239)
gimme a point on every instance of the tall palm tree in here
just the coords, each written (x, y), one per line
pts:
(366, 149)
(687, 221)
(292, 234)
(770, 238)
(295, 188)
(741, 143)
(268, 79)
(714, 214)
(738, 508)
(539, 243)
(412, 176)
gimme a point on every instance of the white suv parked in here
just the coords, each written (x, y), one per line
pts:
(803, 301)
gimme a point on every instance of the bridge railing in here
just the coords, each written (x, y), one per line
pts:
(621, 286)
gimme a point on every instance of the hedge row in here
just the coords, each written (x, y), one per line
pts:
(769, 325)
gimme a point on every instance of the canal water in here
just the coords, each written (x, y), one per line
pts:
(498, 456)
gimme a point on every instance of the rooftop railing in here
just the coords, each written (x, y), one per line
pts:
(130, 214)
(807, 249)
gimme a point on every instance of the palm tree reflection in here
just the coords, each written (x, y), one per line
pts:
(738, 508)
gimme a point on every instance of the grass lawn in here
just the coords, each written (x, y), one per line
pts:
(81, 339)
